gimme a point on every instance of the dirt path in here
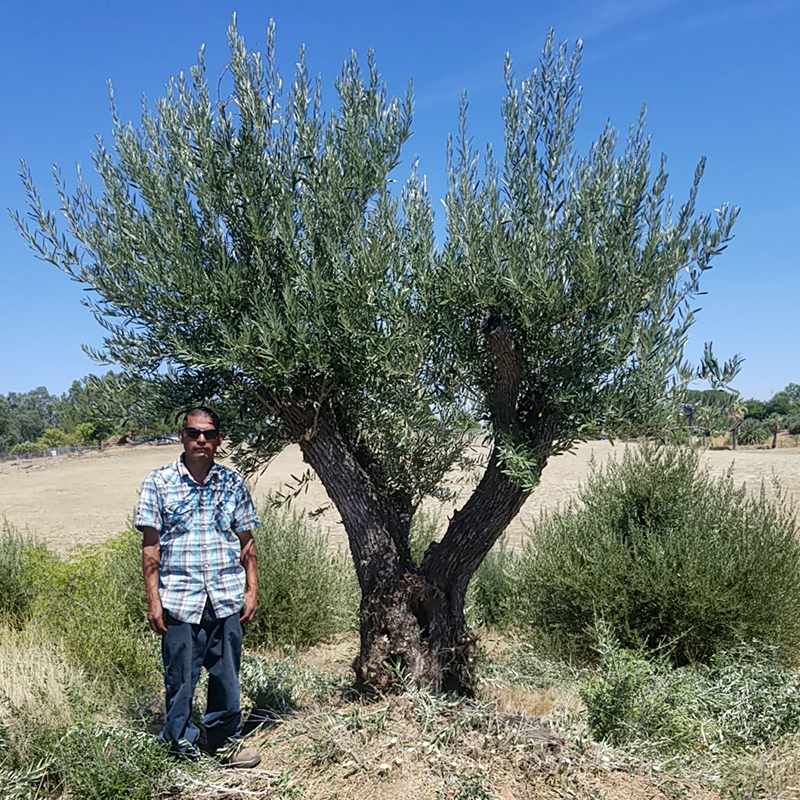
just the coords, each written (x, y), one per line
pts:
(82, 499)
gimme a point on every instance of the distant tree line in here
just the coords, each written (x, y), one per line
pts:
(92, 410)
(714, 412)
(97, 408)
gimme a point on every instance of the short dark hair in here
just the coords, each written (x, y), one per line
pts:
(201, 411)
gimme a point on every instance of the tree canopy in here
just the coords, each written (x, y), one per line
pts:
(249, 251)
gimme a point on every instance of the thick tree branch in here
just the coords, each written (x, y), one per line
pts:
(497, 499)
(370, 522)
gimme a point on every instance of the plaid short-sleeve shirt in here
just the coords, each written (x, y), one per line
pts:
(198, 525)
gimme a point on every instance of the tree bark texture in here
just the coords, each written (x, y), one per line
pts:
(412, 625)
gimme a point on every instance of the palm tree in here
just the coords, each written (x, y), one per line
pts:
(752, 431)
(705, 419)
(774, 422)
(736, 412)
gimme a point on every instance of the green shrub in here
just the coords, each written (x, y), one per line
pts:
(86, 761)
(54, 437)
(86, 433)
(638, 700)
(666, 555)
(17, 554)
(268, 683)
(424, 531)
(95, 604)
(305, 593)
(491, 594)
(24, 449)
(752, 431)
(793, 425)
(100, 762)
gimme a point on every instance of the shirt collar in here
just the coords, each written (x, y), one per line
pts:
(186, 475)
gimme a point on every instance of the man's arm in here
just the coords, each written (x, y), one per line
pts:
(151, 562)
(248, 559)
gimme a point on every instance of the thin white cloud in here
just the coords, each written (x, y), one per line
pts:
(750, 11)
(608, 16)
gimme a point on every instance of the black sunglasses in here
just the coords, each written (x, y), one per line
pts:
(194, 433)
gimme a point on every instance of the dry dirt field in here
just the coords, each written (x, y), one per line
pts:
(77, 500)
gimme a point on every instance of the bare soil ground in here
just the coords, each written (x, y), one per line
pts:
(74, 500)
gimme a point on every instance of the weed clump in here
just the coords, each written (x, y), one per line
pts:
(744, 698)
(665, 554)
(87, 760)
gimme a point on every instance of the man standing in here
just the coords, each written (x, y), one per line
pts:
(199, 566)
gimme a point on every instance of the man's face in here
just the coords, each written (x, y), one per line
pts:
(199, 447)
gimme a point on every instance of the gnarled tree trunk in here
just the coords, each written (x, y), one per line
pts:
(412, 618)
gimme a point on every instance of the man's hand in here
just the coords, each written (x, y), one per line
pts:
(250, 606)
(155, 617)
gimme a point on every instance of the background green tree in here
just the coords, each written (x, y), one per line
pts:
(779, 404)
(53, 438)
(24, 416)
(248, 252)
(111, 405)
(756, 408)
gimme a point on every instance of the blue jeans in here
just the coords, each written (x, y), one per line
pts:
(215, 644)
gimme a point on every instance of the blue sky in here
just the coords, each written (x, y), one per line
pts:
(720, 78)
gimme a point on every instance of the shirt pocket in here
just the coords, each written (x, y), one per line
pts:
(224, 514)
(177, 518)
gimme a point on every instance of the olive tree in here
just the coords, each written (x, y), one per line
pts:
(249, 251)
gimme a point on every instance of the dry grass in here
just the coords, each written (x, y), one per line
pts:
(774, 773)
(36, 679)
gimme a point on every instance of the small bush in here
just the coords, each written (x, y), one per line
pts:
(17, 554)
(24, 449)
(638, 700)
(666, 555)
(53, 438)
(100, 762)
(793, 425)
(306, 594)
(86, 761)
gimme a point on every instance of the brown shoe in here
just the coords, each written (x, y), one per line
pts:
(245, 758)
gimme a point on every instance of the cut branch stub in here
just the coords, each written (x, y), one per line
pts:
(508, 363)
